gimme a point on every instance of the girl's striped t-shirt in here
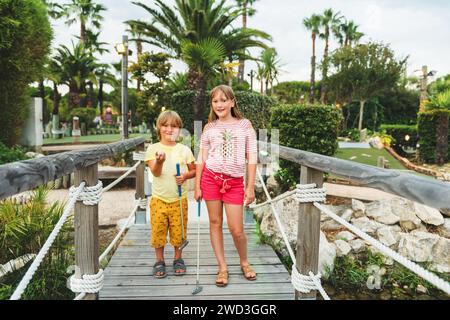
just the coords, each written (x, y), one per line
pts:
(228, 146)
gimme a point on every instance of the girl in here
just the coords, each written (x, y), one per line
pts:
(165, 214)
(226, 143)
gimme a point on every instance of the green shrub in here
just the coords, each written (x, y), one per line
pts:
(398, 133)
(86, 115)
(311, 128)
(253, 106)
(8, 155)
(428, 124)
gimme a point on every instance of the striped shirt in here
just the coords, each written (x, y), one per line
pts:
(228, 145)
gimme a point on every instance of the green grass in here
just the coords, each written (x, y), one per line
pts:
(100, 138)
(362, 156)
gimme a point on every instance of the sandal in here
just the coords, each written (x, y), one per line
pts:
(222, 278)
(178, 264)
(159, 267)
(247, 269)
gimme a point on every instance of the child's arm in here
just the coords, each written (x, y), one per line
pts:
(252, 161)
(202, 155)
(157, 164)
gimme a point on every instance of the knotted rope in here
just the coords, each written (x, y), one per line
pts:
(88, 283)
(89, 195)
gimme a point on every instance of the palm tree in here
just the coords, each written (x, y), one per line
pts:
(313, 24)
(85, 11)
(104, 75)
(137, 37)
(347, 33)
(195, 21)
(77, 65)
(202, 58)
(329, 21)
(247, 11)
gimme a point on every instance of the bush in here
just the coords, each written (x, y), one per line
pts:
(433, 136)
(8, 155)
(255, 107)
(86, 115)
(398, 133)
(24, 46)
(311, 128)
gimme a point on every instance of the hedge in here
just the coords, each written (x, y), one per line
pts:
(428, 126)
(253, 106)
(398, 132)
(311, 128)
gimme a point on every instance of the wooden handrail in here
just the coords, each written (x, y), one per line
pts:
(433, 193)
(20, 176)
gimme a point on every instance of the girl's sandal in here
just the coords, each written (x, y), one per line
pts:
(222, 278)
(246, 270)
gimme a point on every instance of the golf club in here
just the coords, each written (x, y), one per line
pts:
(198, 288)
(183, 236)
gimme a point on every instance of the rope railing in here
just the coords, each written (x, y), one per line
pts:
(41, 255)
(306, 283)
(89, 195)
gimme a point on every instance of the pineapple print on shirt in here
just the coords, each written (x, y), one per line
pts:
(227, 144)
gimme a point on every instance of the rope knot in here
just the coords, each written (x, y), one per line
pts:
(89, 195)
(304, 283)
(88, 283)
(309, 193)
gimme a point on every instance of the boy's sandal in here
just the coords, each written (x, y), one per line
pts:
(159, 267)
(178, 264)
(246, 270)
(222, 278)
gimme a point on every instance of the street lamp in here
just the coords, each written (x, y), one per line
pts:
(251, 79)
(122, 49)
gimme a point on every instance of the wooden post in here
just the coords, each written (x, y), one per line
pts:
(86, 229)
(140, 216)
(308, 232)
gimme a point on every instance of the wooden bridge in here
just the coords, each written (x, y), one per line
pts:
(129, 272)
(128, 275)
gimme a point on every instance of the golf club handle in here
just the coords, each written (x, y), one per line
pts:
(178, 174)
(199, 208)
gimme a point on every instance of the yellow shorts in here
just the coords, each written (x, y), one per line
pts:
(166, 216)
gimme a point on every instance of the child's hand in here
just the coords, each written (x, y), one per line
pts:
(180, 179)
(249, 196)
(160, 156)
(198, 194)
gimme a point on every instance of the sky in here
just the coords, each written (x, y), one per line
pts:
(418, 29)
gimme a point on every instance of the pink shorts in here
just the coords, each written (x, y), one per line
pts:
(219, 186)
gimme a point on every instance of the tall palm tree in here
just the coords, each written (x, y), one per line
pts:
(313, 24)
(268, 68)
(195, 21)
(202, 58)
(247, 11)
(330, 20)
(104, 76)
(85, 11)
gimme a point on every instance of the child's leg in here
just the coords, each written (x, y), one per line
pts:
(234, 214)
(175, 233)
(159, 227)
(215, 212)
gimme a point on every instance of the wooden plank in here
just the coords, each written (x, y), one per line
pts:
(203, 254)
(214, 297)
(86, 229)
(308, 232)
(149, 280)
(273, 268)
(433, 193)
(20, 176)
(192, 261)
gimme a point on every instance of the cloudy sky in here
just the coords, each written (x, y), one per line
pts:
(416, 28)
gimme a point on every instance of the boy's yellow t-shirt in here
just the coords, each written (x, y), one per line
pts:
(165, 187)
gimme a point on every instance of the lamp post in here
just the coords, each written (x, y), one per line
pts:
(122, 49)
(251, 79)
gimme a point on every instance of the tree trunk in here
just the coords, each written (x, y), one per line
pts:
(44, 103)
(313, 70)
(323, 93)
(241, 60)
(262, 86)
(83, 33)
(90, 96)
(200, 99)
(139, 53)
(55, 99)
(361, 114)
(74, 96)
(100, 96)
(441, 139)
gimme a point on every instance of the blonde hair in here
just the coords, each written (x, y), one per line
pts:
(168, 116)
(229, 94)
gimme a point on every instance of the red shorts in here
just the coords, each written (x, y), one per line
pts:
(219, 186)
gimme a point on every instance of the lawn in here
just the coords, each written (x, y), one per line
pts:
(100, 138)
(368, 156)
